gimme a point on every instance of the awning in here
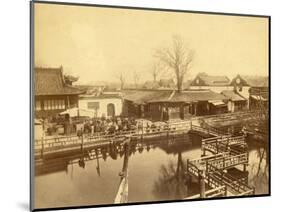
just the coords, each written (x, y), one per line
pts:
(259, 98)
(73, 112)
(217, 103)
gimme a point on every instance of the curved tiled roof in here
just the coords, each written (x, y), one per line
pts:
(49, 81)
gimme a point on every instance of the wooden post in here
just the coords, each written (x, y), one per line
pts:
(244, 167)
(225, 191)
(217, 146)
(82, 143)
(188, 178)
(202, 183)
(122, 194)
(221, 175)
(43, 139)
(142, 131)
(207, 173)
(42, 147)
(203, 150)
(68, 102)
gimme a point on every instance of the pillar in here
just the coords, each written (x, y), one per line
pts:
(244, 167)
(82, 143)
(202, 183)
(203, 152)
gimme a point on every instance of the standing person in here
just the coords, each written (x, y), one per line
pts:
(92, 129)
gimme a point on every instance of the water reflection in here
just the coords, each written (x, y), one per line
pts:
(156, 172)
(171, 183)
(259, 166)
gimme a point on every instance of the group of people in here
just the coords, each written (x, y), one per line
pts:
(106, 125)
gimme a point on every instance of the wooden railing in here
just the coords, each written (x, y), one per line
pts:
(73, 140)
(219, 191)
(227, 162)
(192, 168)
(219, 161)
(223, 144)
(228, 116)
(236, 185)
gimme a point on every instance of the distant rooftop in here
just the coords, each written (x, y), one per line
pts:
(207, 80)
(253, 81)
(103, 95)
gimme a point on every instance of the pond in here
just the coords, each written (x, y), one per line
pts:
(155, 173)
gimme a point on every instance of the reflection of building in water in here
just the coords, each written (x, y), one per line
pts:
(113, 150)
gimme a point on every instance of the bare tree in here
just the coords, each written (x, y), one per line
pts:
(136, 77)
(178, 57)
(157, 70)
(121, 78)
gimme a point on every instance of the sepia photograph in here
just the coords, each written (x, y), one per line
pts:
(141, 105)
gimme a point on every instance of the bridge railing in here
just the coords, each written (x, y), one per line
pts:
(227, 162)
(192, 168)
(204, 159)
(171, 128)
(223, 143)
(216, 192)
(227, 116)
(237, 185)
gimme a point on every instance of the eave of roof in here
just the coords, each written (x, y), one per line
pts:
(190, 96)
(49, 81)
(144, 96)
(233, 96)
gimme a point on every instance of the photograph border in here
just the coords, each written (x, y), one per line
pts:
(31, 103)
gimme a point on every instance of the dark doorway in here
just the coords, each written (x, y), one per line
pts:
(111, 110)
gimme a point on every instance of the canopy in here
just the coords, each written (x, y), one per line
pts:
(73, 112)
(217, 103)
(260, 98)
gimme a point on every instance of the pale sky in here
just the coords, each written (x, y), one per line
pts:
(96, 43)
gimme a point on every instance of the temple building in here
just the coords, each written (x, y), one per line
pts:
(52, 92)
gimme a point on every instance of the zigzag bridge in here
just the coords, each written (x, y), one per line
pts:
(213, 172)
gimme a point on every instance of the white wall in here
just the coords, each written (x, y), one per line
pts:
(38, 131)
(102, 111)
(244, 92)
(216, 89)
(219, 89)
